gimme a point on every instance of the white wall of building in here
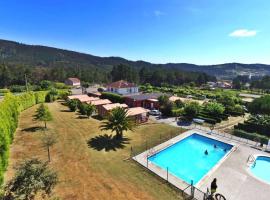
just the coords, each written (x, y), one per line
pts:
(124, 91)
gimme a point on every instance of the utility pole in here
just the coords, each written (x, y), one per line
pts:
(26, 84)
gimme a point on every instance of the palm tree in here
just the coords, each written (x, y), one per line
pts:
(118, 121)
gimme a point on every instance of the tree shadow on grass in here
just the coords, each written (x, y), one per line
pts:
(82, 117)
(65, 110)
(107, 142)
(97, 117)
(33, 129)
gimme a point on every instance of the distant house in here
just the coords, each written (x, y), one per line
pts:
(122, 87)
(220, 84)
(73, 82)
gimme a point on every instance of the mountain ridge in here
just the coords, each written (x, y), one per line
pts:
(12, 52)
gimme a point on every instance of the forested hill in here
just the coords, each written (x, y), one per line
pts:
(63, 63)
(36, 55)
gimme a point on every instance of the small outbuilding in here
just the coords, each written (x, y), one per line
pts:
(73, 82)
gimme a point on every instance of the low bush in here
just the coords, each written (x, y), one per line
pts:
(3, 91)
(115, 98)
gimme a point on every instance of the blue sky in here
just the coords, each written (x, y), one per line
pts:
(159, 31)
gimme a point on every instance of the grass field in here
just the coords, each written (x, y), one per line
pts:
(86, 170)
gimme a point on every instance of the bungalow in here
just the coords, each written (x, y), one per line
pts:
(99, 103)
(122, 87)
(149, 101)
(83, 98)
(105, 109)
(139, 114)
(73, 82)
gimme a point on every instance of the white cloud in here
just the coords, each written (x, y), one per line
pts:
(158, 13)
(243, 33)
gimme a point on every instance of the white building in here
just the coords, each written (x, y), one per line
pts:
(122, 87)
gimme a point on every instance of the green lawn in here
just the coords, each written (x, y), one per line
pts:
(86, 170)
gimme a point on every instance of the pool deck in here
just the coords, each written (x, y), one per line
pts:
(234, 179)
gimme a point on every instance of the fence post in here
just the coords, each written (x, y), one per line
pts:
(192, 189)
(167, 175)
(131, 151)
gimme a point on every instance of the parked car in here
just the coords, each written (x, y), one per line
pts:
(155, 112)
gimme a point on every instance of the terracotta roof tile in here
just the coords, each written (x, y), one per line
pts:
(121, 84)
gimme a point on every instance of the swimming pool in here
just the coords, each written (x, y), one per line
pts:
(261, 168)
(187, 160)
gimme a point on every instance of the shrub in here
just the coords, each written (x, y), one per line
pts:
(115, 98)
(260, 105)
(17, 88)
(214, 109)
(73, 104)
(59, 85)
(63, 94)
(192, 109)
(177, 112)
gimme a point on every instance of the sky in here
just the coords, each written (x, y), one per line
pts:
(158, 31)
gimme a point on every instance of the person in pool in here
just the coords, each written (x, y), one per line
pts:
(214, 186)
(215, 146)
(206, 152)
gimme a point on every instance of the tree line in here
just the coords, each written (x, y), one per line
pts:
(18, 74)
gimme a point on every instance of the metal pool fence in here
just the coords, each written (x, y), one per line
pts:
(188, 191)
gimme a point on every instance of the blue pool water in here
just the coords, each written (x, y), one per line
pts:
(186, 159)
(261, 168)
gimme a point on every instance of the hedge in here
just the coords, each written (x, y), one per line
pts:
(10, 108)
(252, 127)
(251, 136)
(4, 91)
(115, 98)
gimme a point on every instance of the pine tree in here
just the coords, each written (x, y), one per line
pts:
(43, 114)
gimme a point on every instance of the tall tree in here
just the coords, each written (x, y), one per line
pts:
(43, 114)
(118, 121)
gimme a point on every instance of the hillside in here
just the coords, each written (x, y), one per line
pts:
(42, 56)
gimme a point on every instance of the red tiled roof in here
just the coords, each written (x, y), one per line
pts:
(121, 84)
(114, 105)
(100, 102)
(136, 111)
(74, 80)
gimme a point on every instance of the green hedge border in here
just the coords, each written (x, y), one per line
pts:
(10, 109)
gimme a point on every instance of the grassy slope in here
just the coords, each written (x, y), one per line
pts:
(86, 173)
